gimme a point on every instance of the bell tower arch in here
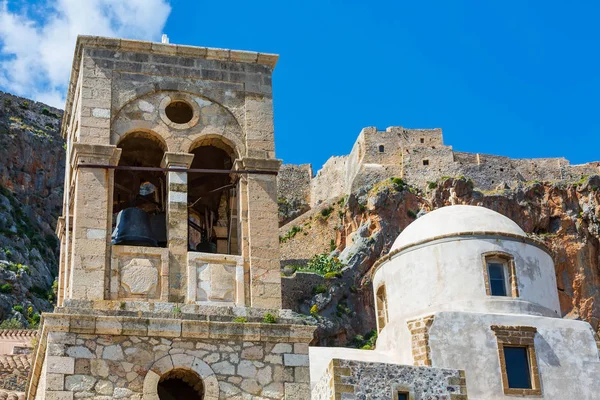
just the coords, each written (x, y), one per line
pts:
(169, 235)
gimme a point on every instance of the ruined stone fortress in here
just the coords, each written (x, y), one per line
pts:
(169, 285)
(418, 156)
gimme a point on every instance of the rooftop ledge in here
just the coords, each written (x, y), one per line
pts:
(176, 50)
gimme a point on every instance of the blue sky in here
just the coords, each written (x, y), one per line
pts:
(514, 78)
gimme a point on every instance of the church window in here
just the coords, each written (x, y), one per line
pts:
(497, 278)
(517, 367)
(381, 148)
(500, 275)
(422, 140)
(518, 361)
(402, 396)
(382, 313)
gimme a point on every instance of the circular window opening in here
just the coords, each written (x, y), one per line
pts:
(180, 384)
(179, 112)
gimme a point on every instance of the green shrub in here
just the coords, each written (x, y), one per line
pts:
(25, 105)
(314, 310)
(269, 319)
(342, 309)
(11, 324)
(332, 245)
(362, 207)
(7, 102)
(323, 264)
(319, 289)
(240, 320)
(290, 234)
(326, 212)
(6, 288)
(18, 308)
(177, 310)
(397, 183)
(411, 214)
(432, 185)
(333, 275)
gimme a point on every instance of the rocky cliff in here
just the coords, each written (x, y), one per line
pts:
(358, 229)
(31, 186)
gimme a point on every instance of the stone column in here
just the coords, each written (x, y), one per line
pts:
(177, 223)
(259, 212)
(92, 219)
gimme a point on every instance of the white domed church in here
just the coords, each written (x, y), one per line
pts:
(467, 307)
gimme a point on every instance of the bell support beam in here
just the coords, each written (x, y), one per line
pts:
(89, 256)
(177, 226)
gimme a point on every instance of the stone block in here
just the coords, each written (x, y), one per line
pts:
(295, 360)
(108, 326)
(59, 395)
(60, 365)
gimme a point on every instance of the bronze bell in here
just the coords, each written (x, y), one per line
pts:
(133, 228)
(159, 228)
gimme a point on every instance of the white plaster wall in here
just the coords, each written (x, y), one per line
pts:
(448, 274)
(566, 352)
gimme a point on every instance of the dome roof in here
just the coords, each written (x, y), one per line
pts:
(458, 220)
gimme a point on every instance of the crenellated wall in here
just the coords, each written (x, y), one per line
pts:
(419, 156)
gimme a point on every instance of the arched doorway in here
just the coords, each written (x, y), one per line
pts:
(180, 384)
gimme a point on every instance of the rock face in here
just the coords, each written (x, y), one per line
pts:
(31, 186)
(566, 216)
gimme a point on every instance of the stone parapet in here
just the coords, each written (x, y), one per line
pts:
(351, 379)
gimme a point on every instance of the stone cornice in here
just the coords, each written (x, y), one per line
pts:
(458, 236)
(84, 153)
(258, 164)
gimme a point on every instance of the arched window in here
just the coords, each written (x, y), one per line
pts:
(382, 313)
(213, 201)
(140, 194)
(381, 148)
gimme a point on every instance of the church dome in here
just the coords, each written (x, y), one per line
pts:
(456, 220)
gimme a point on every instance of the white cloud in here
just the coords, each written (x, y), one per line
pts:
(37, 42)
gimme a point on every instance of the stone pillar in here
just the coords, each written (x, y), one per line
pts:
(89, 254)
(259, 212)
(177, 223)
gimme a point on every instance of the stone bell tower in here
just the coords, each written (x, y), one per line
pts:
(169, 283)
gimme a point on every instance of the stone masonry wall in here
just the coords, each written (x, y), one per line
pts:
(419, 156)
(117, 366)
(367, 380)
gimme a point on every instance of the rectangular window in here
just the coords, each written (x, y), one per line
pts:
(422, 140)
(425, 162)
(402, 396)
(517, 367)
(497, 276)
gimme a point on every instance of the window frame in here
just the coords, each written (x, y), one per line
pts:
(402, 389)
(381, 309)
(524, 337)
(510, 273)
